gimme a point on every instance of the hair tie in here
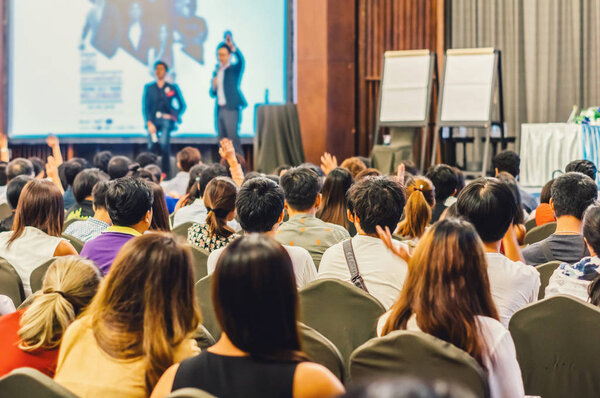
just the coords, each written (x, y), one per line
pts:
(209, 209)
(198, 179)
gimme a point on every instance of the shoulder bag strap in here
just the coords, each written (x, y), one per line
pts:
(355, 276)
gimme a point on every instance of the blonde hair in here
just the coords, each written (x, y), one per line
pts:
(68, 287)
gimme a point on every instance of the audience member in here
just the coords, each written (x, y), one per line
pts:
(510, 162)
(410, 167)
(490, 206)
(138, 324)
(594, 292)
(219, 200)
(13, 192)
(417, 211)
(39, 167)
(129, 204)
(519, 217)
(259, 343)
(259, 207)
(187, 158)
(279, 171)
(572, 193)
(35, 236)
(586, 167)
(3, 179)
(82, 191)
(372, 201)
(31, 336)
(447, 295)
(72, 168)
(333, 208)
(146, 158)
(14, 168)
(118, 167)
(160, 214)
(368, 173)
(574, 279)
(544, 213)
(301, 187)
(445, 182)
(156, 172)
(93, 226)
(354, 165)
(101, 160)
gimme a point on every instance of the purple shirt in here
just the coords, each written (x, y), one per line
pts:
(103, 249)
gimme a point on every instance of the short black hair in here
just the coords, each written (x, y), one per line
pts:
(572, 193)
(314, 168)
(376, 201)
(591, 226)
(586, 167)
(225, 46)
(3, 178)
(128, 200)
(212, 171)
(163, 63)
(489, 205)
(155, 170)
(444, 180)
(508, 161)
(99, 193)
(14, 188)
(118, 167)
(19, 167)
(259, 204)
(301, 186)
(146, 158)
(85, 181)
(101, 160)
(72, 168)
(38, 165)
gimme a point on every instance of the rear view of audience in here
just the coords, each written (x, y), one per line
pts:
(510, 162)
(583, 166)
(333, 207)
(255, 300)
(31, 336)
(137, 325)
(572, 193)
(71, 169)
(187, 158)
(82, 190)
(445, 182)
(160, 213)
(17, 167)
(13, 193)
(417, 212)
(544, 213)
(93, 226)
(118, 167)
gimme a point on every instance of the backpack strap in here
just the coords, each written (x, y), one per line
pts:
(547, 252)
(355, 276)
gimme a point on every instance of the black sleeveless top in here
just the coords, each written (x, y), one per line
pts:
(225, 376)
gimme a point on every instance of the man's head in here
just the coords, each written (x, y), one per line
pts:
(129, 202)
(19, 167)
(223, 53)
(71, 170)
(259, 205)
(99, 195)
(84, 183)
(507, 161)
(444, 179)
(572, 193)
(489, 205)
(146, 158)
(39, 167)
(302, 188)
(212, 171)
(374, 201)
(118, 167)
(583, 166)
(160, 70)
(14, 188)
(101, 160)
(187, 158)
(156, 172)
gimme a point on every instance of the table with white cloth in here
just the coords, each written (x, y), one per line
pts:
(546, 148)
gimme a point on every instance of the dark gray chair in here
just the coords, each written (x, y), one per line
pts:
(10, 283)
(77, 243)
(5, 211)
(546, 270)
(404, 353)
(182, 229)
(28, 382)
(37, 275)
(204, 297)
(540, 233)
(200, 262)
(320, 350)
(557, 347)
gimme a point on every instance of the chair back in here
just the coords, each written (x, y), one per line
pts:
(71, 221)
(546, 270)
(320, 350)
(341, 312)
(530, 224)
(5, 211)
(28, 382)
(77, 243)
(182, 229)
(200, 262)
(540, 233)
(171, 219)
(417, 354)
(189, 393)
(10, 283)
(204, 297)
(37, 275)
(556, 341)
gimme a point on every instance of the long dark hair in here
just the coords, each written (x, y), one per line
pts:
(219, 199)
(333, 207)
(160, 212)
(256, 300)
(193, 190)
(447, 287)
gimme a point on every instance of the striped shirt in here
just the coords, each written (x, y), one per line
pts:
(85, 230)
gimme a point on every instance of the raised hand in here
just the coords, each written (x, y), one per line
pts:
(386, 238)
(227, 151)
(400, 174)
(52, 141)
(328, 163)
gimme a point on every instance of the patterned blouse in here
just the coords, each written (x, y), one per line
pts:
(199, 235)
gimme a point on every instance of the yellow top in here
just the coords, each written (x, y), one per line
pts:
(123, 230)
(88, 371)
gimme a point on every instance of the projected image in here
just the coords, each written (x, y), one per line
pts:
(85, 76)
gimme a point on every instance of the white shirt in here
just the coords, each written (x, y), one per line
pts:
(513, 285)
(30, 250)
(3, 198)
(574, 279)
(504, 373)
(304, 267)
(382, 271)
(221, 100)
(6, 305)
(196, 212)
(177, 184)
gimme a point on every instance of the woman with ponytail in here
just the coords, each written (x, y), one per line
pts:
(417, 211)
(31, 337)
(219, 199)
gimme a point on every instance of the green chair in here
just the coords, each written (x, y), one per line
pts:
(341, 312)
(530, 224)
(320, 350)
(189, 393)
(10, 283)
(28, 382)
(37, 275)
(203, 337)
(71, 221)
(417, 354)
(540, 233)
(5, 211)
(182, 229)
(77, 244)
(200, 259)
(171, 219)
(557, 347)
(546, 270)
(204, 297)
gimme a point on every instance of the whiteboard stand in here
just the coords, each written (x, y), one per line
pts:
(405, 93)
(471, 79)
